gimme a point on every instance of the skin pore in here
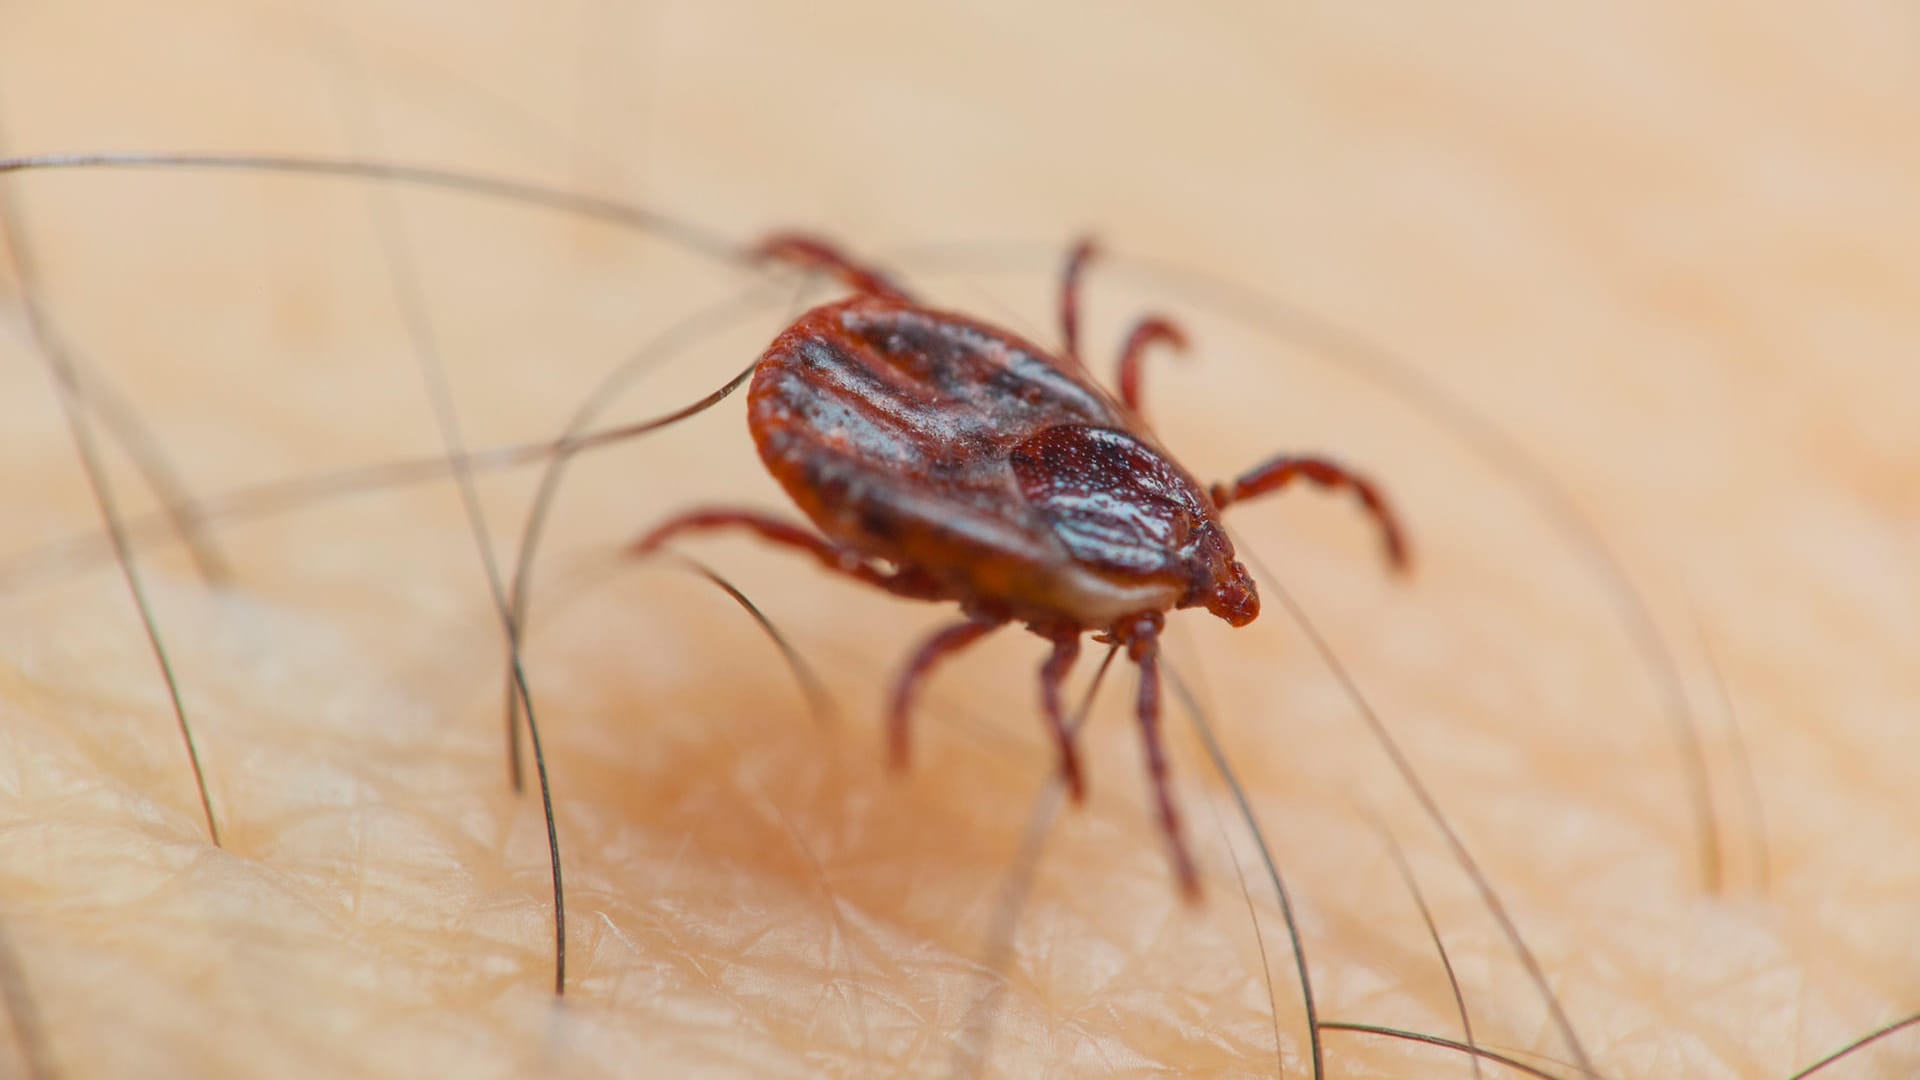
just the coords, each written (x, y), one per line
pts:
(1670, 256)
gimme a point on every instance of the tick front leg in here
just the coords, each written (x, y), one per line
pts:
(907, 687)
(1066, 649)
(815, 253)
(786, 534)
(1143, 645)
(1282, 471)
(1148, 332)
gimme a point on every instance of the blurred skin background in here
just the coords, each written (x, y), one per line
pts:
(1529, 266)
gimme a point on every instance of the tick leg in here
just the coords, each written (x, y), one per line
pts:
(1076, 267)
(907, 687)
(1066, 650)
(813, 252)
(840, 560)
(1282, 471)
(1147, 332)
(1143, 645)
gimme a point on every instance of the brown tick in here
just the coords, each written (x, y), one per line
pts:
(945, 459)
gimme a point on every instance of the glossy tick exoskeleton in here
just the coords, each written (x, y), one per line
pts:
(945, 459)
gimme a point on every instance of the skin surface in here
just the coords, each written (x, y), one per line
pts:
(1671, 255)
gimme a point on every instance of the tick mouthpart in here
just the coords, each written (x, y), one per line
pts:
(1233, 597)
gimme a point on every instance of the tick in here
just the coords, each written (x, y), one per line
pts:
(941, 458)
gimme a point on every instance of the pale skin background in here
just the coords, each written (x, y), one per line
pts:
(1672, 254)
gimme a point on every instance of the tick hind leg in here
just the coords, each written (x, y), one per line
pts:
(907, 687)
(1143, 646)
(1149, 331)
(901, 582)
(1281, 471)
(1066, 649)
(814, 253)
(1078, 257)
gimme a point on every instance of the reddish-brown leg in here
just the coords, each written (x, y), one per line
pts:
(1076, 267)
(811, 251)
(1143, 645)
(1066, 649)
(907, 687)
(1282, 471)
(1150, 331)
(840, 560)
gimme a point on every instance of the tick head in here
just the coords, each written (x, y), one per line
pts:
(1231, 595)
(1218, 581)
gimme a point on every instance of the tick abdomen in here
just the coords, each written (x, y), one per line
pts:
(936, 443)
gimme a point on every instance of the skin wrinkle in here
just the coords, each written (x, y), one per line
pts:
(1596, 223)
(839, 932)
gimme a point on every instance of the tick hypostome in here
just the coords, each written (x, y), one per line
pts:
(945, 459)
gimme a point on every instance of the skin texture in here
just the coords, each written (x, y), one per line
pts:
(1671, 255)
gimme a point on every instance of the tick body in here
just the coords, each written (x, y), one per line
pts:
(944, 459)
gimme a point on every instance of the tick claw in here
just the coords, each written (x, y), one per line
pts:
(1189, 881)
(1399, 559)
(1076, 783)
(652, 542)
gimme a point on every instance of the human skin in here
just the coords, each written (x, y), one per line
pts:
(1669, 257)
